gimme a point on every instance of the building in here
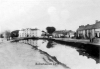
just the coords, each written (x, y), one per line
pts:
(96, 29)
(85, 32)
(21, 33)
(70, 34)
(36, 33)
(63, 33)
(57, 34)
(28, 32)
(81, 31)
(89, 31)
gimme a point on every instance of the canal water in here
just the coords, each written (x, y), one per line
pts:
(64, 54)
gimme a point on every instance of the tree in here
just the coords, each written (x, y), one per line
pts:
(7, 34)
(14, 33)
(50, 30)
(1, 36)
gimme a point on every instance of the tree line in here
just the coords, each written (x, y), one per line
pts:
(8, 34)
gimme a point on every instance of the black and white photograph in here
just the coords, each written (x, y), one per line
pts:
(49, 34)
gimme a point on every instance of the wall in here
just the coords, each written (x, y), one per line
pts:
(98, 32)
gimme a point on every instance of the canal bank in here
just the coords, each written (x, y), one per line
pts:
(16, 55)
(85, 48)
(63, 53)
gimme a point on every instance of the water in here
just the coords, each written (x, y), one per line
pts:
(64, 54)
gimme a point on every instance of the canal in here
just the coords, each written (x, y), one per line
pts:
(72, 57)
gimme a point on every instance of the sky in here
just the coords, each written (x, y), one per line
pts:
(62, 14)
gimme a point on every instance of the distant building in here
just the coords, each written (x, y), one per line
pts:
(70, 34)
(21, 33)
(63, 33)
(28, 32)
(57, 34)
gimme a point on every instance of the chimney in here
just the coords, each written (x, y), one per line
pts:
(87, 24)
(97, 21)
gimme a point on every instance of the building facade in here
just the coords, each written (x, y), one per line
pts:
(28, 32)
(81, 32)
(96, 29)
(89, 31)
(63, 33)
(57, 34)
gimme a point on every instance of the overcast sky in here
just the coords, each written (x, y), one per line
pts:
(62, 14)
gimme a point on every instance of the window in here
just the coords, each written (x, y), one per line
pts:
(96, 35)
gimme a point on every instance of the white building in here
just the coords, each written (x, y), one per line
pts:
(36, 33)
(21, 33)
(28, 32)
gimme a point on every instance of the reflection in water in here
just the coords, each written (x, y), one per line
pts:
(32, 42)
(50, 44)
(64, 54)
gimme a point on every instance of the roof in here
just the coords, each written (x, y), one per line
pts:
(96, 25)
(64, 31)
(29, 29)
(58, 32)
(81, 28)
(70, 31)
(87, 27)
(35, 29)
